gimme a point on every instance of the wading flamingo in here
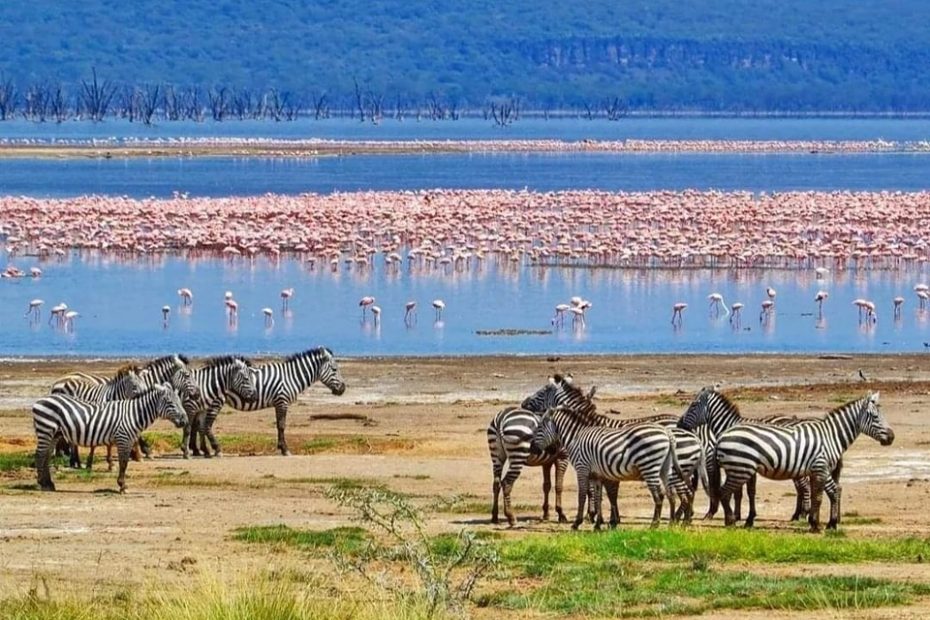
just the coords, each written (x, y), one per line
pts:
(410, 312)
(898, 302)
(439, 305)
(677, 309)
(376, 313)
(286, 295)
(716, 301)
(364, 302)
(35, 309)
(767, 309)
(269, 317)
(186, 295)
(819, 298)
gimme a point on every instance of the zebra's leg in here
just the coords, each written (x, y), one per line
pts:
(561, 464)
(145, 447)
(713, 478)
(738, 504)
(596, 501)
(813, 518)
(123, 449)
(44, 449)
(584, 475)
(186, 436)
(280, 417)
(658, 497)
(74, 460)
(751, 494)
(547, 486)
(802, 503)
(837, 471)
(733, 483)
(497, 470)
(613, 488)
(513, 472)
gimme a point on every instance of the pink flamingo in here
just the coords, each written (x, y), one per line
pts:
(677, 309)
(58, 313)
(560, 310)
(767, 308)
(376, 313)
(286, 295)
(410, 312)
(716, 301)
(864, 305)
(364, 302)
(737, 315)
(35, 309)
(232, 309)
(69, 317)
(922, 297)
(819, 298)
(269, 317)
(187, 296)
(898, 302)
(439, 305)
(35, 272)
(577, 316)
(771, 293)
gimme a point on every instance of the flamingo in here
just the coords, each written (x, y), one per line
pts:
(165, 311)
(922, 297)
(867, 306)
(35, 308)
(716, 300)
(767, 307)
(410, 312)
(269, 317)
(898, 302)
(232, 309)
(821, 272)
(187, 296)
(286, 295)
(819, 298)
(771, 293)
(58, 312)
(677, 309)
(737, 309)
(577, 316)
(69, 317)
(376, 313)
(439, 305)
(560, 310)
(35, 272)
(364, 302)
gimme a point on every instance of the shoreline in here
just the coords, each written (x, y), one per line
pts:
(126, 148)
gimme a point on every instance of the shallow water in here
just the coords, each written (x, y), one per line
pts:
(120, 305)
(161, 177)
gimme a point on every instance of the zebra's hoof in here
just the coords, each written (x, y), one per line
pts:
(186, 456)
(495, 520)
(47, 487)
(831, 524)
(563, 519)
(218, 454)
(207, 455)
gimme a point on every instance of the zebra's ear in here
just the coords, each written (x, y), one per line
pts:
(874, 397)
(555, 379)
(592, 392)
(568, 379)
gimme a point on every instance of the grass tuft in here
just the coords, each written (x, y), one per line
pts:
(343, 539)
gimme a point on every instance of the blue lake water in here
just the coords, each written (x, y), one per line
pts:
(542, 172)
(120, 310)
(120, 302)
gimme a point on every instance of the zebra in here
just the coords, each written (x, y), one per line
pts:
(812, 449)
(87, 424)
(689, 449)
(278, 384)
(509, 433)
(154, 372)
(218, 377)
(711, 413)
(609, 455)
(125, 384)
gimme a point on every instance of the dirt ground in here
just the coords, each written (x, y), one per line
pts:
(426, 436)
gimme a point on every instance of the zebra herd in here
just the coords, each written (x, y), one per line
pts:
(559, 424)
(91, 410)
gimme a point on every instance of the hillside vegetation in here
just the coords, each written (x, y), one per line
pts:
(742, 55)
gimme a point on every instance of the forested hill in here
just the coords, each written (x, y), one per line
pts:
(746, 55)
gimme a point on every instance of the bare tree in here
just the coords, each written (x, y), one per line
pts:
(615, 108)
(503, 112)
(590, 111)
(219, 102)
(35, 106)
(192, 105)
(172, 104)
(400, 107)
(320, 106)
(96, 97)
(148, 102)
(359, 101)
(7, 98)
(58, 103)
(275, 103)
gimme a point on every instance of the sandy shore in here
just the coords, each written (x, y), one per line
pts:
(420, 429)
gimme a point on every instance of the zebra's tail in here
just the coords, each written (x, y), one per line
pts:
(702, 468)
(674, 455)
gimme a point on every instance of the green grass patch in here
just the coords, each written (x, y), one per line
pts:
(719, 545)
(619, 589)
(342, 539)
(12, 461)
(354, 444)
(413, 476)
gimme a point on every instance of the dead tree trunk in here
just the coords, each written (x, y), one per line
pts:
(96, 97)
(7, 98)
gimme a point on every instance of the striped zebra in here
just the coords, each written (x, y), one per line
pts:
(87, 424)
(218, 377)
(125, 384)
(812, 449)
(711, 413)
(509, 434)
(278, 384)
(602, 454)
(154, 372)
(688, 447)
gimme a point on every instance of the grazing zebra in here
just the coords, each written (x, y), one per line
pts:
(810, 449)
(509, 434)
(87, 424)
(712, 413)
(599, 453)
(218, 377)
(125, 384)
(278, 384)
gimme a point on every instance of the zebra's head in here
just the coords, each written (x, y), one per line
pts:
(168, 405)
(330, 376)
(697, 412)
(240, 378)
(128, 383)
(182, 381)
(872, 422)
(546, 438)
(553, 394)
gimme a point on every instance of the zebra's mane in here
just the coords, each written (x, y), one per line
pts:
(727, 403)
(166, 360)
(853, 405)
(587, 411)
(148, 391)
(308, 353)
(124, 370)
(222, 360)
